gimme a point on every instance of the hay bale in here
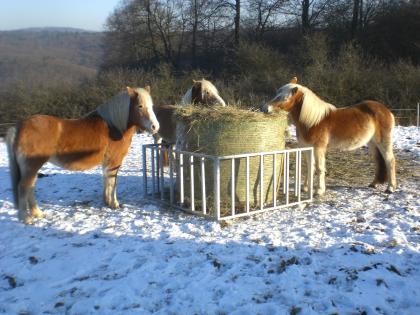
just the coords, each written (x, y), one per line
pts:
(221, 131)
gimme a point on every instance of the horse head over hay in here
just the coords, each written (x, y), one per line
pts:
(202, 92)
(103, 136)
(322, 125)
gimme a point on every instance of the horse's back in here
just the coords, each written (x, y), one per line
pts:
(82, 143)
(88, 131)
(354, 126)
(361, 114)
(378, 111)
(75, 144)
(37, 136)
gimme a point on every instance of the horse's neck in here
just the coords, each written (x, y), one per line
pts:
(128, 134)
(295, 113)
(164, 115)
(301, 129)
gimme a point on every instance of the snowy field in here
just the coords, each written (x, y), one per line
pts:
(355, 251)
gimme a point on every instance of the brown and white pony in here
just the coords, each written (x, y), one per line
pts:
(202, 92)
(322, 125)
(101, 137)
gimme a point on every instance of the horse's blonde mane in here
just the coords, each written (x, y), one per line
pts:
(208, 86)
(313, 108)
(115, 112)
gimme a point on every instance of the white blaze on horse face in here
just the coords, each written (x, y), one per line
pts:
(150, 121)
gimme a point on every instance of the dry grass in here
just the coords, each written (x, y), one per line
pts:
(231, 113)
(357, 168)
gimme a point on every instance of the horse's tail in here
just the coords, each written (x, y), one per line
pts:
(381, 171)
(13, 165)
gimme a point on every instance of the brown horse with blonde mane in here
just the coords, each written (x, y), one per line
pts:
(322, 125)
(101, 137)
(202, 93)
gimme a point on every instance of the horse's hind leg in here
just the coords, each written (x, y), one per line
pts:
(28, 209)
(385, 147)
(380, 166)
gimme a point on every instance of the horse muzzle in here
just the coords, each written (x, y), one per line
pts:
(154, 128)
(266, 108)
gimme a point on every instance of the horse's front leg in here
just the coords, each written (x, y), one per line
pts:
(320, 169)
(311, 170)
(35, 211)
(110, 186)
(164, 150)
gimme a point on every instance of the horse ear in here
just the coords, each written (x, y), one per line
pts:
(194, 81)
(131, 92)
(147, 88)
(293, 80)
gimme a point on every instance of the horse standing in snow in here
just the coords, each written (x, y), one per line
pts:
(103, 136)
(322, 125)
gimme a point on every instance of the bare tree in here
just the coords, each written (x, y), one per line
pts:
(263, 14)
(310, 13)
(237, 21)
(144, 29)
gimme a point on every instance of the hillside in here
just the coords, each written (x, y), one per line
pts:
(48, 56)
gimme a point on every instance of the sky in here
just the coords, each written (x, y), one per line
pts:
(85, 14)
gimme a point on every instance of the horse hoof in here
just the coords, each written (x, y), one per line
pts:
(319, 192)
(372, 185)
(389, 191)
(25, 217)
(28, 220)
(38, 214)
(114, 205)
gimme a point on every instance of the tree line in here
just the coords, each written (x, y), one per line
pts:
(205, 33)
(344, 50)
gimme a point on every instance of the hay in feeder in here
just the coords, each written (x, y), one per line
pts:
(221, 131)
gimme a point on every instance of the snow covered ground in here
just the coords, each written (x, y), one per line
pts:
(355, 251)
